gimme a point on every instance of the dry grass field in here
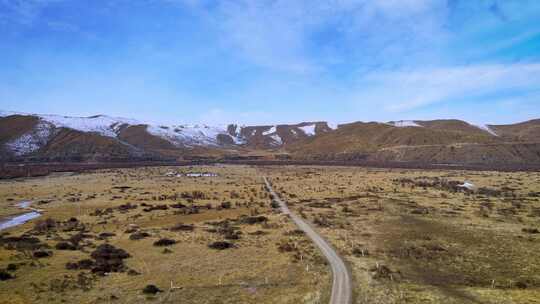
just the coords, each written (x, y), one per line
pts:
(415, 236)
(138, 235)
(106, 235)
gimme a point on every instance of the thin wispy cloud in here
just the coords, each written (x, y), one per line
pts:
(409, 89)
(261, 61)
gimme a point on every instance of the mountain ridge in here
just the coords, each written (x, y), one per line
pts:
(46, 137)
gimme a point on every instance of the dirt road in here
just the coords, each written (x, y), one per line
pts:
(341, 287)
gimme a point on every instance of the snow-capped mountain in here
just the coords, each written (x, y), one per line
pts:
(60, 138)
(178, 135)
(40, 129)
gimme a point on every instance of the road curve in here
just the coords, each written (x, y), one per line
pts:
(341, 287)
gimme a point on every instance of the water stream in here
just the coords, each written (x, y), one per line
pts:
(12, 221)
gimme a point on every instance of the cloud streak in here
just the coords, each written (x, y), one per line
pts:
(409, 89)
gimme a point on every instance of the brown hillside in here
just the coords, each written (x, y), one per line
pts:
(469, 153)
(14, 126)
(70, 144)
(528, 131)
(453, 125)
(363, 140)
(140, 138)
(289, 134)
(363, 137)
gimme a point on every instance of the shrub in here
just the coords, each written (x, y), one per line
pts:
(65, 246)
(220, 245)
(82, 264)
(138, 235)
(182, 227)
(164, 242)
(151, 289)
(42, 254)
(46, 225)
(253, 219)
(4, 275)
(108, 259)
(530, 230)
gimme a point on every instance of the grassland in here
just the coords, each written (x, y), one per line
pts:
(408, 236)
(415, 236)
(132, 209)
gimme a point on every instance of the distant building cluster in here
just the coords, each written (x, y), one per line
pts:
(191, 174)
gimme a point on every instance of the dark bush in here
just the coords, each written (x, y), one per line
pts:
(226, 205)
(220, 245)
(182, 227)
(151, 289)
(42, 254)
(46, 225)
(138, 235)
(178, 206)
(108, 259)
(530, 230)
(164, 242)
(65, 246)
(253, 219)
(157, 207)
(22, 243)
(127, 207)
(105, 235)
(82, 264)
(4, 275)
(77, 238)
(360, 252)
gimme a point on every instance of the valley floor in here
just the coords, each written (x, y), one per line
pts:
(408, 236)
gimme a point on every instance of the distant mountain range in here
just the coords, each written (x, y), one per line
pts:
(39, 137)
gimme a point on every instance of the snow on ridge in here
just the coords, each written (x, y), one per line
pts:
(487, 129)
(109, 126)
(31, 141)
(104, 125)
(332, 125)
(277, 139)
(309, 130)
(189, 135)
(270, 131)
(404, 123)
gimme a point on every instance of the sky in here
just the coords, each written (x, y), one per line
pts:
(272, 61)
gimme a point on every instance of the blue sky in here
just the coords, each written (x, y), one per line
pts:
(279, 61)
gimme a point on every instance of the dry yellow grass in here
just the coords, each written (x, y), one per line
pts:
(256, 271)
(407, 236)
(413, 242)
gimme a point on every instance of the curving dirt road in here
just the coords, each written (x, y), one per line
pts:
(341, 287)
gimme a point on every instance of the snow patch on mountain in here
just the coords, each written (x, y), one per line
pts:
(404, 123)
(104, 125)
(309, 130)
(179, 135)
(270, 131)
(487, 129)
(190, 135)
(332, 125)
(277, 139)
(31, 141)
